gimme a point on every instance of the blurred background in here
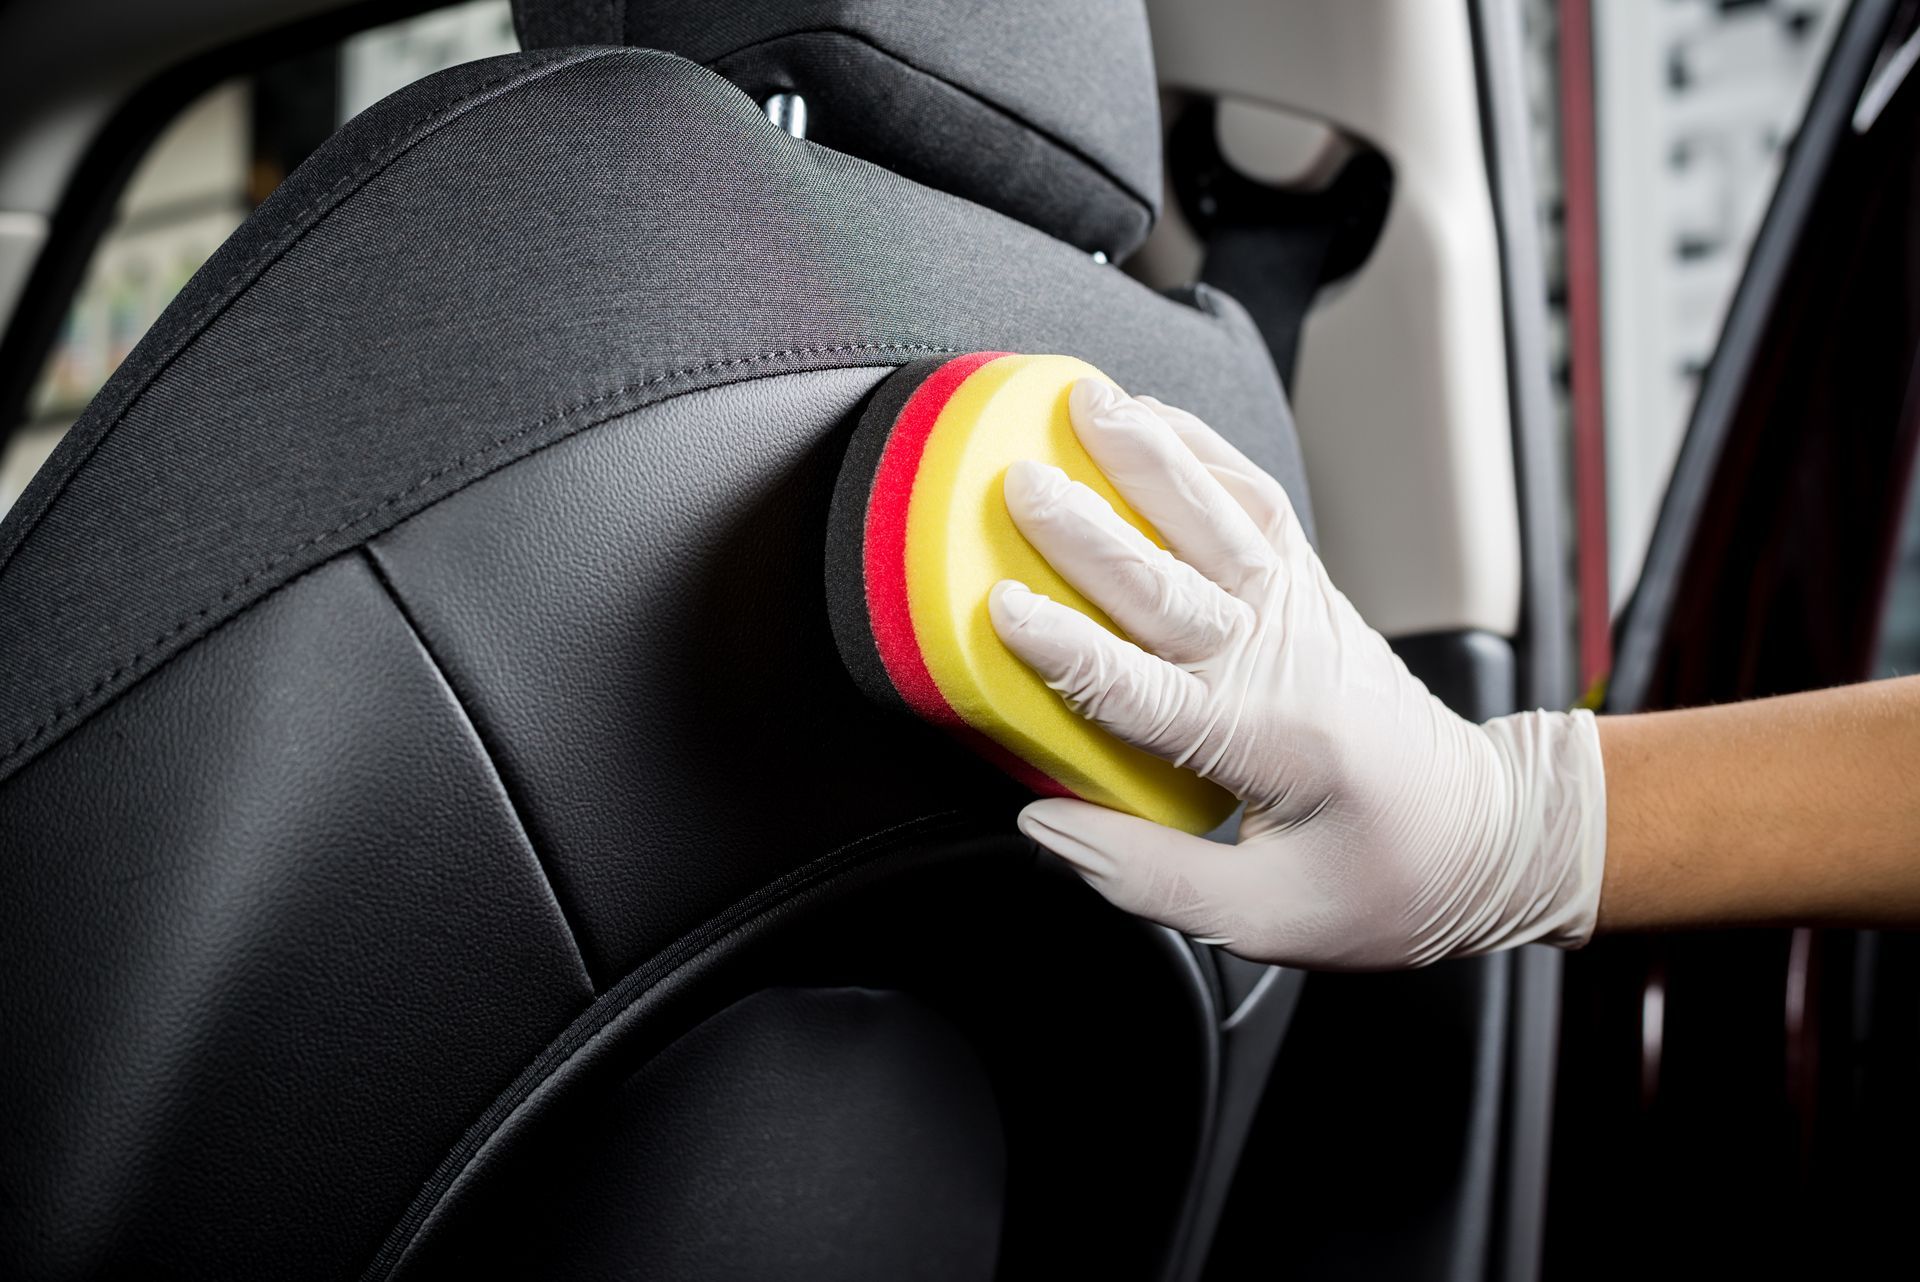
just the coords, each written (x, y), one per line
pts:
(204, 174)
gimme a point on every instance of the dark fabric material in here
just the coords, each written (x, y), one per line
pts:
(551, 24)
(1046, 110)
(760, 1105)
(484, 264)
(271, 937)
(864, 101)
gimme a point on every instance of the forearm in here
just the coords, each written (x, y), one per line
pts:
(1801, 809)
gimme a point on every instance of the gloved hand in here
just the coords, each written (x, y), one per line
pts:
(1381, 830)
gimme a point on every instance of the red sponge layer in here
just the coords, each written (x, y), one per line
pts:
(866, 564)
(883, 563)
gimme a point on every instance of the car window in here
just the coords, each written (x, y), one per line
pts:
(1694, 104)
(205, 172)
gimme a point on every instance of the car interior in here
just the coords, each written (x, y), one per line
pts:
(437, 834)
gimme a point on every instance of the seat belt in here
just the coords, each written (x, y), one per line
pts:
(1274, 248)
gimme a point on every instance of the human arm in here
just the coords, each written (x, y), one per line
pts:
(1381, 830)
(1801, 809)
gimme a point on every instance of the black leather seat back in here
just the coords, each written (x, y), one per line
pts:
(417, 710)
(760, 1107)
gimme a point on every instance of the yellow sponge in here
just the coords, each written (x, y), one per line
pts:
(948, 443)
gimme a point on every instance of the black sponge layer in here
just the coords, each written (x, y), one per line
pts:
(847, 604)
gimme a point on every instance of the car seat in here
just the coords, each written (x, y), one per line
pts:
(436, 832)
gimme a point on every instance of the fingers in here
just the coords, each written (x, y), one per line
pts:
(1140, 453)
(1263, 903)
(1127, 692)
(1189, 883)
(1251, 486)
(1163, 603)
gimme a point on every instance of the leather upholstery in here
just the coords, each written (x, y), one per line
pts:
(272, 935)
(635, 621)
(760, 1105)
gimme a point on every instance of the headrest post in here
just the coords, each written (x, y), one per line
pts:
(788, 111)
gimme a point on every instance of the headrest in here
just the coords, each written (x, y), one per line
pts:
(1045, 110)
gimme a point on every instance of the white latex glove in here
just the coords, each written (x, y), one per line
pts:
(1380, 830)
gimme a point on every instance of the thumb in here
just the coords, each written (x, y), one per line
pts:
(1188, 883)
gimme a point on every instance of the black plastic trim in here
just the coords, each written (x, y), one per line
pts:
(1543, 650)
(1248, 1040)
(1470, 671)
(1544, 647)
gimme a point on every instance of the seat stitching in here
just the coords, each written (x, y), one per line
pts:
(76, 702)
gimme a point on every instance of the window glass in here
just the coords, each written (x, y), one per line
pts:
(1695, 102)
(1694, 105)
(201, 178)
(386, 59)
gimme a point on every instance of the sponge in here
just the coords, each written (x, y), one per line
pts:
(919, 532)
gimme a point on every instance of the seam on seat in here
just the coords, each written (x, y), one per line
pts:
(763, 904)
(383, 154)
(488, 755)
(1065, 147)
(76, 707)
